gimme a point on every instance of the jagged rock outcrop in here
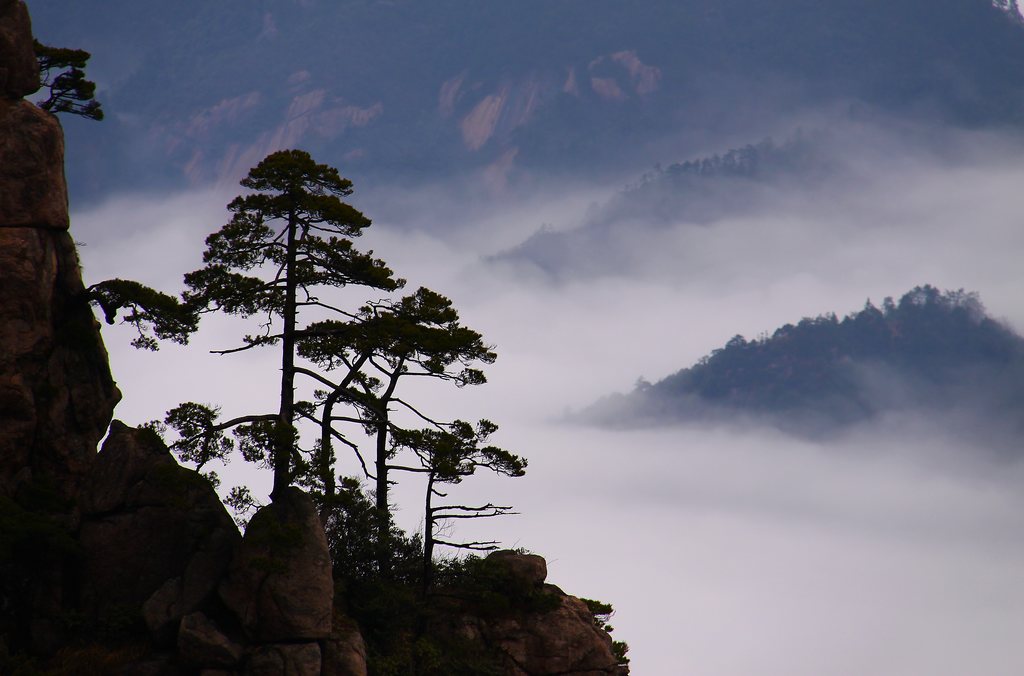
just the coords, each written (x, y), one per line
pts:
(285, 659)
(33, 193)
(344, 653)
(202, 644)
(144, 513)
(56, 391)
(547, 633)
(280, 585)
(562, 641)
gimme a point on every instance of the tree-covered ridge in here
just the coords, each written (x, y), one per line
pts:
(930, 349)
(698, 191)
(704, 188)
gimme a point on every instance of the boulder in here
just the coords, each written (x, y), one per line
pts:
(164, 523)
(563, 641)
(155, 665)
(344, 653)
(32, 188)
(528, 569)
(201, 643)
(19, 70)
(290, 659)
(280, 585)
(56, 392)
(542, 631)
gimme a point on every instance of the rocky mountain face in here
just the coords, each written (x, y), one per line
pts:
(56, 392)
(510, 90)
(123, 561)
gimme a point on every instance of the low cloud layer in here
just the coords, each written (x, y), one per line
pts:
(726, 551)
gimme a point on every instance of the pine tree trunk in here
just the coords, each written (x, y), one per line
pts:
(428, 537)
(283, 438)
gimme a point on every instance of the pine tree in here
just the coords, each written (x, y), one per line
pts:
(62, 72)
(288, 243)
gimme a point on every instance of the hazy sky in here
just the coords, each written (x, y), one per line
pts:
(726, 551)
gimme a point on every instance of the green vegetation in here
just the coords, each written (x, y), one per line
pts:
(602, 613)
(929, 349)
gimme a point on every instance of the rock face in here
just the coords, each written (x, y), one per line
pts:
(201, 643)
(280, 585)
(285, 659)
(56, 391)
(33, 193)
(558, 636)
(19, 72)
(344, 653)
(144, 513)
(564, 641)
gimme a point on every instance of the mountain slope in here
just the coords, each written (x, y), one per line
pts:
(197, 90)
(930, 352)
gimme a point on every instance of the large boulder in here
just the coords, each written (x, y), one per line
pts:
(280, 585)
(19, 71)
(32, 188)
(563, 641)
(529, 570)
(56, 391)
(155, 536)
(538, 630)
(344, 653)
(288, 659)
(202, 644)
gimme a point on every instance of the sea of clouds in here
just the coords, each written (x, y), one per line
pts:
(893, 550)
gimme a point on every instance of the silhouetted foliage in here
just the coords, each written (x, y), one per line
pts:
(450, 453)
(62, 73)
(418, 336)
(287, 243)
(154, 315)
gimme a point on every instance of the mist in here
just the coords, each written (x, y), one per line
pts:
(726, 550)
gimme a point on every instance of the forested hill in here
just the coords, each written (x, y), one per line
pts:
(931, 351)
(698, 191)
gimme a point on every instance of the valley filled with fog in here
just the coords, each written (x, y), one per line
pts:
(727, 548)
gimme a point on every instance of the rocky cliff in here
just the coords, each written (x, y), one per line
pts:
(125, 562)
(56, 391)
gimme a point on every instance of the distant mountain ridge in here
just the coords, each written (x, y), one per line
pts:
(929, 352)
(196, 90)
(697, 191)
